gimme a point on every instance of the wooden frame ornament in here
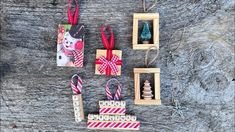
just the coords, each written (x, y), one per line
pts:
(138, 100)
(155, 35)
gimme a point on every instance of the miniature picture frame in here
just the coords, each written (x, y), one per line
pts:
(154, 17)
(156, 100)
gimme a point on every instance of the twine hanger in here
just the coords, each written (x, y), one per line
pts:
(150, 7)
(147, 55)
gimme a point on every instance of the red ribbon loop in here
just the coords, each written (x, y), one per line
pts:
(73, 19)
(117, 95)
(109, 45)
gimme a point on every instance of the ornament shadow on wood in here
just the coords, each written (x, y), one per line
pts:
(145, 35)
(147, 92)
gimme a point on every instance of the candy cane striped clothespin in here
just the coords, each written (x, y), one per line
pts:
(117, 95)
(76, 85)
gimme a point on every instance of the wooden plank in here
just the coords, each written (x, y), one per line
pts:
(144, 46)
(146, 16)
(137, 85)
(156, 32)
(147, 102)
(135, 32)
(35, 93)
(146, 70)
(157, 88)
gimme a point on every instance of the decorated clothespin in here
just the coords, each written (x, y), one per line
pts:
(70, 41)
(112, 113)
(108, 61)
(76, 85)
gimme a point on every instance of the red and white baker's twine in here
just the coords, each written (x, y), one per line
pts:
(78, 58)
(106, 63)
(76, 86)
(117, 95)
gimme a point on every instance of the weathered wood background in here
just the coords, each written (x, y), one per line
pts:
(196, 61)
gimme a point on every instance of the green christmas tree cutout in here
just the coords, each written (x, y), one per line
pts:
(145, 34)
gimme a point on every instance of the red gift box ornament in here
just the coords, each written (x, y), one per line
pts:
(108, 64)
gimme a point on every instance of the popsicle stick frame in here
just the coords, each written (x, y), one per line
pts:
(145, 16)
(138, 100)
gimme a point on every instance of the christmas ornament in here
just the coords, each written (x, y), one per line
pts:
(145, 39)
(146, 34)
(108, 61)
(70, 41)
(148, 97)
(112, 113)
(76, 85)
(147, 92)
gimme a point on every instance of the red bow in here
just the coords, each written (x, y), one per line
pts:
(112, 64)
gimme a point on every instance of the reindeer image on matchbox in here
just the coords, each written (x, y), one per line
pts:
(108, 61)
(112, 113)
(76, 85)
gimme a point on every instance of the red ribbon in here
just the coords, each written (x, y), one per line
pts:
(109, 45)
(73, 19)
(111, 61)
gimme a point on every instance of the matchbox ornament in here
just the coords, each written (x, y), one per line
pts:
(108, 61)
(112, 113)
(70, 41)
(76, 85)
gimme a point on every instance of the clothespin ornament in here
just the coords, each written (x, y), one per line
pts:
(76, 85)
(112, 112)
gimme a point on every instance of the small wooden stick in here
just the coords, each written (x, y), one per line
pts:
(78, 108)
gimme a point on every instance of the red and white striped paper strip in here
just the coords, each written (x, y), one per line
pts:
(117, 95)
(112, 111)
(113, 125)
(76, 86)
(78, 58)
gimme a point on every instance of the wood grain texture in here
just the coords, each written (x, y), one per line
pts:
(197, 68)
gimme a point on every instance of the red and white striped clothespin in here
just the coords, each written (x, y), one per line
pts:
(117, 95)
(76, 84)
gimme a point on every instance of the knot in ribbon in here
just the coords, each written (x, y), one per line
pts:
(105, 63)
(76, 84)
(117, 95)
